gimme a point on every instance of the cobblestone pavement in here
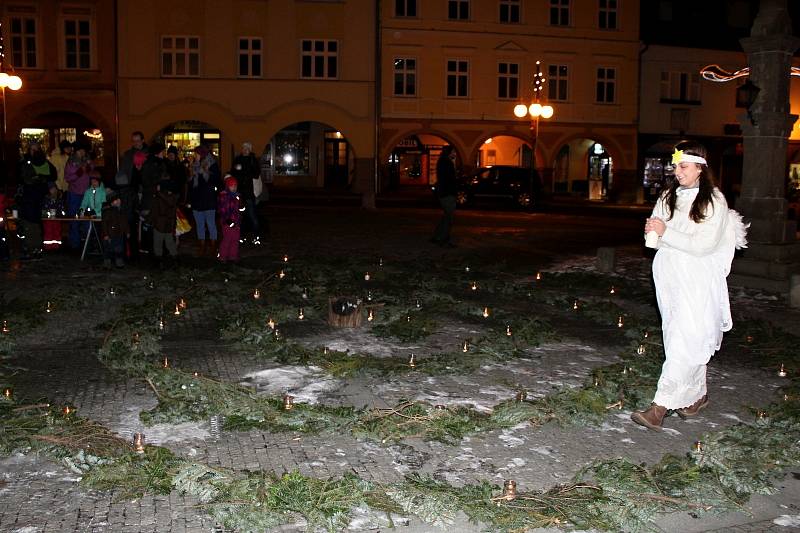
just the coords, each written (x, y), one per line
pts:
(37, 495)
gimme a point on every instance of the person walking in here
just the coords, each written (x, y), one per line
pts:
(697, 237)
(204, 188)
(230, 216)
(446, 192)
(245, 169)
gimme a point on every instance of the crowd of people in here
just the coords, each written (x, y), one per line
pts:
(143, 207)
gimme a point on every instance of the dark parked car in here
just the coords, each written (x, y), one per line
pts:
(519, 185)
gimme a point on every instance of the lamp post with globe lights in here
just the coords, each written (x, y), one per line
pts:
(535, 111)
(8, 80)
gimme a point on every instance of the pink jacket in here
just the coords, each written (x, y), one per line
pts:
(77, 176)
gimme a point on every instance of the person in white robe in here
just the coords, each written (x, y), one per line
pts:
(697, 238)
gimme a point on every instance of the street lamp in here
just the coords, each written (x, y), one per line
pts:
(535, 111)
(14, 83)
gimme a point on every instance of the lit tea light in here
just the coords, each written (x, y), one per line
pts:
(762, 415)
(177, 310)
(165, 362)
(270, 323)
(612, 290)
(288, 402)
(619, 321)
(325, 350)
(466, 269)
(417, 304)
(521, 396)
(485, 312)
(305, 294)
(182, 303)
(369, 296)
(510, 489)
(196, 374)
(111, 291)
(440, 407)
(465, 348)
(277, 334)
(380, 262)
(5, 327)
(281, 274)
(68, 411)
(370, 316)
(412, 361)
(575, 305)
(749, 339)
(285, 258)
(538, 276)
(596, 382)
(226, 280)
(300, 314)
(782, 372)
(135, 337)
(625, 370)
(151, 285)
(646, 334)
(8, 393)
(161, 324)
(366, 276)
(698, 446)
(785, 397)
(641, 349)
(138, 442)
(474, 286)
(256, 294)
(49, 308)
(508, 330)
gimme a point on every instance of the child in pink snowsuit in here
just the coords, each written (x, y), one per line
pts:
(229, 218)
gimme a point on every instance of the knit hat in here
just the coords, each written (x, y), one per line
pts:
(230, 180)
(156, 148)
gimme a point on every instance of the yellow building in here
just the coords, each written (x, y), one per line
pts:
(291, 77)
(64, 53)
(452, 72)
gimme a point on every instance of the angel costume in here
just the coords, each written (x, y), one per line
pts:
(690, 270)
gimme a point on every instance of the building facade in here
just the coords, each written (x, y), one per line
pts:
(292, 78)
(452, 72)
(64, 53)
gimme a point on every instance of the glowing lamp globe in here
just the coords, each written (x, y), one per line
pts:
(4, 79)
(14, 83)
(520, 110)
(535, 110)
(547, 111)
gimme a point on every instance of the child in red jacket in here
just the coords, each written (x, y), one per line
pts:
(228, 209)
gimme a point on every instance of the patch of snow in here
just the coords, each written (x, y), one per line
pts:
(129, 423)
(788, 520)
(731, 417)
(727, 387)
(608, 427)
(28, 529)
(543, 450)
(628, 441)
(510, 440)
(673, 432)
(305, 383)
(364, 517)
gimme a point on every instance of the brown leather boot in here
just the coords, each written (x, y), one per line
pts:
(650, 418)
(694, 409)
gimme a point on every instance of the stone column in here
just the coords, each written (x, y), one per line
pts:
(773, 251)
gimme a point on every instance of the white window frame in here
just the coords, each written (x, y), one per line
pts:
(607, 10)
(509, 77)
(457, 74)
(325, 55)
(512, 5)
(404, 73)
(560, 7)
(250, 53)
(23, 36)
(458, 5)
(64, 39)
(553, 81)
(186, 51)
(605, 82)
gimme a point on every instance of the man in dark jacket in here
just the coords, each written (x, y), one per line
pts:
(177, 172)
(127, 183)
(245, 169)
(35, 171)
(446, 188)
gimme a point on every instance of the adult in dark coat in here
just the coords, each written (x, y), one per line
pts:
(35, 172)
(127, 183)
(177, 172)
(446, 188)
(245, 169)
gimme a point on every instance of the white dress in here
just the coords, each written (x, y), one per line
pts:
(690, 271)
